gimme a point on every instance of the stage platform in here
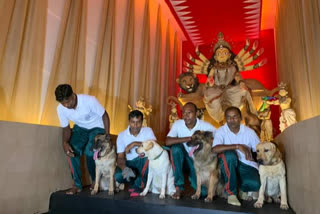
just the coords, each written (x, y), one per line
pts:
(122, 203)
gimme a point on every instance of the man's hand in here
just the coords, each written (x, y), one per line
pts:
(108, 137)
(127, 173)
(127, 150)
(67, 149)
(246, 151)
(131, 145)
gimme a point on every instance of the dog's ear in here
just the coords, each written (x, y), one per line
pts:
(149, 146)
(197, 132)
(108, 137)
(208, 134)
(277, 154)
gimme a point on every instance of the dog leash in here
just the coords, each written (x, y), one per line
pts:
(158, 156)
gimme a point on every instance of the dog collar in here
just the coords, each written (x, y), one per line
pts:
(158, 156)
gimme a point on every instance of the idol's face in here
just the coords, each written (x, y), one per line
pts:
(222, 54)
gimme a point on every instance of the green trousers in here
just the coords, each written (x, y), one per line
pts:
(181, 162)
(237, 174)
(81, 142)
(140, 168)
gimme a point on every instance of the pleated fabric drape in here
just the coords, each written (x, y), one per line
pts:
(297, 33)
(22, 43)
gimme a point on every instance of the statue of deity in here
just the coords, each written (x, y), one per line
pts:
(288, 115)
(224, 86)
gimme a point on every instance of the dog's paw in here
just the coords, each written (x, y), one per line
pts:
(258, 204)
(162, 196)
(208, 199)
(94, 192)
(284, 206)
(119, 187)
(144, 193)
(110, 192)
(195, 196)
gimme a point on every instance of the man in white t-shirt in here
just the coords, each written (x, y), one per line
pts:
(235, 143)
(178, 136)
(131, 168)
(90, 119)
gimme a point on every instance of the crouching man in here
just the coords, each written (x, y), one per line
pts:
(131, 168)
(235, 143)
(177, 139)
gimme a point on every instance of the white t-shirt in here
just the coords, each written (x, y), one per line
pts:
(179, 129)
(88, 113)
(125, 138)
(246, 136)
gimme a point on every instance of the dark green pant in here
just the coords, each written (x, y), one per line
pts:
(140, 167)
(180, 160)
(234, 171)
(81, 142)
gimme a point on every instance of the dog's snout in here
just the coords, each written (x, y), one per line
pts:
(260, 161)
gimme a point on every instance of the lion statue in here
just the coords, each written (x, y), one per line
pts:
(189, 83)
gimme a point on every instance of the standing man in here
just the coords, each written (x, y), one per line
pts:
(234, 143)
(90, 119)
(177, 138)
(129, 164)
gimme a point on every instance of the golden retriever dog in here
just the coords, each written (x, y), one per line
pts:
(272, 175)
(160, 174)
(205, 164)
(105, 159)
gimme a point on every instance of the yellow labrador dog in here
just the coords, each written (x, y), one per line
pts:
(205, 164)
(105, 159)
(272, 175)
(160, 175)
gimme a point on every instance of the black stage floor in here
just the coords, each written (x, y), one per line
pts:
(122, 203)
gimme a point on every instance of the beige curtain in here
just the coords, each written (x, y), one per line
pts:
(157, 64)
(155, 87)
(297, 34)
(103, 85)
(69, 60)
(144, 62)
(124, 89)
(137, 55)
(22, 41)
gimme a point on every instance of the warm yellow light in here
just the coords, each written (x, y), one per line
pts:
(268, 14)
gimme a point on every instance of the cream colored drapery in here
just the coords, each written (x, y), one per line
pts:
(154, 78)
(22, 27)
(103, 85)
(124, 88)
(297, 35)
(137, 55)
(69, 60)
